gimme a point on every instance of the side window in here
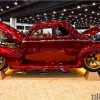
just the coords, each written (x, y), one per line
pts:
(43, 32)
(60, 31)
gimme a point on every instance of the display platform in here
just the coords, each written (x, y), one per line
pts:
(73, 73)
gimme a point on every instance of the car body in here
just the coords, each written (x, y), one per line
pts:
(49, 45)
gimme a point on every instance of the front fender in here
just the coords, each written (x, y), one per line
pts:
(94, 48)
(13, 56)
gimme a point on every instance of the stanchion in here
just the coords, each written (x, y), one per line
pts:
(2, 75)
(92, 76)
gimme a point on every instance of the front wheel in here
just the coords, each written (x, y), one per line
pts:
(3, 64)
(92, 62)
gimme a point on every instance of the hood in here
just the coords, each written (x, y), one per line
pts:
(92, 31)
(12, 34)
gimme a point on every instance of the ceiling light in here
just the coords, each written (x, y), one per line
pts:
(38, 18)
(92, 12)
(20, 19)
(80, 14)
(52, 15)
(86, 9)
(37, 15)
(85, 15)
(1, 9)
(78, 7)
(69, 15)
(45, 14)
(60, 17)
(62, 14)
(64, 9)
(93, 3)
(25, 18)
(66, 18)
(72, 12)
(7, 7)
(15, 3)
(98, 14)
(54, 12)
(90, 17)
(95, 18)
(30, 16)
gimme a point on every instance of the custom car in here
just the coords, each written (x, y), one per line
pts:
(49, 45)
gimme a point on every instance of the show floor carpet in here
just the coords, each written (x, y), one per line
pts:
(54, 85)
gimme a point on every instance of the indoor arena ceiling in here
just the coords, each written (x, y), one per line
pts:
(81, 13)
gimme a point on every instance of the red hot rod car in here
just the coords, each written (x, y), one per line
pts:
(49, 45)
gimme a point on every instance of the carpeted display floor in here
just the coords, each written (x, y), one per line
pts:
(54, 85)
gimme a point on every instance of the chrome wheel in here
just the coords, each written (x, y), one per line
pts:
(92, 61)
(2, 62)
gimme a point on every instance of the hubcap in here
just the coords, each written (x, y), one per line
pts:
(2, 61)
(93, 61)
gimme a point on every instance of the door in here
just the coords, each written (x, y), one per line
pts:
(67, 47)
(40, 46)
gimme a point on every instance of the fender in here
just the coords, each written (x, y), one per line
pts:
(94, 48)
(13, 56)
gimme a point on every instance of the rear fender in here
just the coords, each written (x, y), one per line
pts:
(13, 56)
(94, 48)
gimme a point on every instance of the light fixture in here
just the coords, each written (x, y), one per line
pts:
(54, 12)
(91, 17)
(32, 19)
(52, 15)
(98, 13)
(93, 3)
(62, 14)
(60, 17)
(69, 15)
(37, 15)
(85, 15)
(78, 7)
(92, 12)
(1, 9)
(45, 14)
(7, 7)
(20, 19)
(64, 9)
(15, 3)
(25, 18)
(30, 16)
(72, 12)
(80, 14)
(86, 9)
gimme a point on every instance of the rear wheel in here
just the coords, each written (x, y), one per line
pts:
(92, 62)
(3, 64)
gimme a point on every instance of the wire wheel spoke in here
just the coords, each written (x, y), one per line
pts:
(93, 61)
(2, 62)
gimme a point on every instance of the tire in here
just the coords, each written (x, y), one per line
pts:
(92, 62)
(3, 64)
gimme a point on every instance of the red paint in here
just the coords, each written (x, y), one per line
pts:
(51, 52)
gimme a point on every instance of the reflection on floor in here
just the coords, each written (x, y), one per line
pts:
(73, 73)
